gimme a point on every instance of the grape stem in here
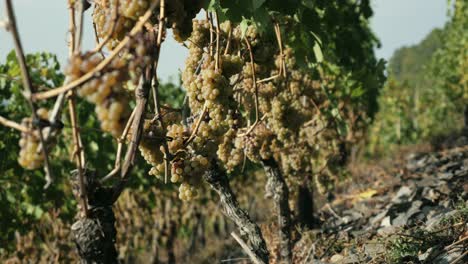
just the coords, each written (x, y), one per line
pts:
(197, 125)
(282, 68)
(74, 84)
(27, 84)
(218, 35)
(228, 42)
(210, 20)
(254, 81)
(280, 45)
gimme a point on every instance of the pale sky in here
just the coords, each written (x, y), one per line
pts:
(43, 26)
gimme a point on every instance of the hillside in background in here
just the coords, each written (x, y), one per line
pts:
(425, 93)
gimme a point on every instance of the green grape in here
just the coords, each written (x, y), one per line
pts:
(29, 157)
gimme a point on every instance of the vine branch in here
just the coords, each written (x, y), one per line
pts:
(28, 87)
(155, 91)
(13, 124)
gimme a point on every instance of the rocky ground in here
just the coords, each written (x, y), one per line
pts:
(412, 209)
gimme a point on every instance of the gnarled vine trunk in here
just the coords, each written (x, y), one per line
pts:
(277, 189)
(95, 236)
(219, 182)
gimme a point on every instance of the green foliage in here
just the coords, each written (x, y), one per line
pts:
(409, 64)
(450, 63)
(427, 88)
(172, 93)
(22, 198)
(313, 24)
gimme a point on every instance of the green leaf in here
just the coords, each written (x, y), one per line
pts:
(308, 3)
(262, 20)
(244, 24)
(256, 4)
(358, 92)
(318, 52)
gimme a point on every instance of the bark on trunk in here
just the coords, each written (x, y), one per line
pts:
(95, 237)
(277, 189)
(220, 183)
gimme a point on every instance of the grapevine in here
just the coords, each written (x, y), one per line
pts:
(254, 99)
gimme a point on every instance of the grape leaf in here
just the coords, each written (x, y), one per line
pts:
(256, 4)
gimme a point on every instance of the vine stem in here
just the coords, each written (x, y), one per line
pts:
(155, 91)
(14, 125)
(141, 95)
(59, 102)
(118, 156)
(79, 32)
(72, 85)
(80, 153)
(28, 87)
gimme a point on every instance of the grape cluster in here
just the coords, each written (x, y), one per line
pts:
(151, 140)
(295, 130)
(188, 170)
(179, 15)
(208, 87)
(193, 144)
(103, 17)
(105, 91)
(30, 157)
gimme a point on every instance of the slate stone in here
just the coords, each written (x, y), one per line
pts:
(403, 218)
(402, 195)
